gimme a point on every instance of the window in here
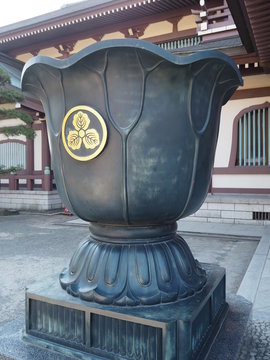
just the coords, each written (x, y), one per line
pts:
(12, 153)
(253, 146)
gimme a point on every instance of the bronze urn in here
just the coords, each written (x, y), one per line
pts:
(132, 133)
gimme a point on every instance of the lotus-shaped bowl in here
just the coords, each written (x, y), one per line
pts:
(132, 128)
(132, 132)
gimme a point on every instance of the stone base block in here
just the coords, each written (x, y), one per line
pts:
(30, 200)
(182, 330)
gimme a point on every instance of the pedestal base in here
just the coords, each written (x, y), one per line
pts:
(133, 266)
(182, 330)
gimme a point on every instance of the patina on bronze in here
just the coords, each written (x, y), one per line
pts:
(133, 131)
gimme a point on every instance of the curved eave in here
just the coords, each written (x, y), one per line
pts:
(83, 17)
(252, 19)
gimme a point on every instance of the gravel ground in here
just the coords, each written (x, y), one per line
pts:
(256, 341)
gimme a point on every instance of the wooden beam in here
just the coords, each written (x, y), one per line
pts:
(251, 93)
(241, 20)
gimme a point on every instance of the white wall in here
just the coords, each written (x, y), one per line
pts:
(38, 151)
(11, 122)
(241, 181)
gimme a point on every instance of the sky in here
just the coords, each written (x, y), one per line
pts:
(16, 10)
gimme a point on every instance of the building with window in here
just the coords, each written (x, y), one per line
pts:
(240, 186)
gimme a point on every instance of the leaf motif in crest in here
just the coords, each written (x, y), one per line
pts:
(91, 139)
(74, 141)
(81, 121)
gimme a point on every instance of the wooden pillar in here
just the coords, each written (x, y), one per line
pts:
(29, 162)
(47, 182)
(29, 156)
(46, 158)
(13, 182)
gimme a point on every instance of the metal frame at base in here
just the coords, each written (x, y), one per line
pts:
(182, 330)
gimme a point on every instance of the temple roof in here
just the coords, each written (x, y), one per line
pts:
(252, 18)
(84, 17)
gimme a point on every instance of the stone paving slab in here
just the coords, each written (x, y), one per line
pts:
(224, 252)
(31, 247)
(256, 283)
(235, 230)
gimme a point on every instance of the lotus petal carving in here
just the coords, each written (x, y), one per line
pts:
(132, 275)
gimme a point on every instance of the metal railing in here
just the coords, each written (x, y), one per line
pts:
(180, 43)
(254, 138)
(26, 182)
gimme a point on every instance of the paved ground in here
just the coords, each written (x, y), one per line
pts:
(35, 246)
(224, 252)
(32, 247)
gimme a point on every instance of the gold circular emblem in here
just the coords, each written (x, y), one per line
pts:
(84, 133)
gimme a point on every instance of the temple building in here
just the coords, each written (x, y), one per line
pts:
(240, 185)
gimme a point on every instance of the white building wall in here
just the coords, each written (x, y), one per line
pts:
(241, 181)
(11, 122)
(38, 151)
(256, 81)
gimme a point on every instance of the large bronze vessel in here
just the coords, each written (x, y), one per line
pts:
(132, 132)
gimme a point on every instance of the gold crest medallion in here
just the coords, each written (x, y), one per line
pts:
(84, 133)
